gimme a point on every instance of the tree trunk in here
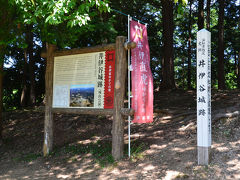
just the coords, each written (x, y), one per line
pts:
(208, 14)
(32, 99)
(168, 81)
(235, 62)
(238, 71)
(1, 92)
(221, 74)
(200, 14)
(189, 47)
(24, 81)
(4, 22)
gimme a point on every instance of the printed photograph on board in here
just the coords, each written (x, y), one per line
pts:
(82, 95)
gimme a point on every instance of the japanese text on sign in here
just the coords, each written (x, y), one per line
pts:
(204, 88)
(142, 81)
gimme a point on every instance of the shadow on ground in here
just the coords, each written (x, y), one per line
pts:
(83, 148)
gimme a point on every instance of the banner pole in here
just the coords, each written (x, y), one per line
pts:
(129, 91)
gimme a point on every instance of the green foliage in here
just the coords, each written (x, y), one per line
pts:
(182, 1)
(231, 80)
(56, 12)
(7, 19)
(74, 24)
(55, 20)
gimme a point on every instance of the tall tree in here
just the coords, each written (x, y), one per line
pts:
(189, 46)
(3, 16)
(29, 39)
(23, 100)
(1, 90)
(6, 21)
(200, 14)
(168, 81)
(238, 71)
(221, 73)
(208, 14)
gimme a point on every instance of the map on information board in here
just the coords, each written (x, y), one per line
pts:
(84, 80)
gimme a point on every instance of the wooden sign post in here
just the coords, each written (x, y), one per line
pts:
(203, 96)
(118, 111)
(48, 121)
(119, 91)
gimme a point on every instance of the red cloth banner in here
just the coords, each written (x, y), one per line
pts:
(109, 79)
(142, 80)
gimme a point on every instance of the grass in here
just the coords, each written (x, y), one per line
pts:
(101, 151)
(137, 149)
(28, 157)
(182, 176)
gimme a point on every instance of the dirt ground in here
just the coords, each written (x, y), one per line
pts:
(164, 149)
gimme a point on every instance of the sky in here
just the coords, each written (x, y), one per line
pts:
(82, 86)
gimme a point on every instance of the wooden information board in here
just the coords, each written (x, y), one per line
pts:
(84, 80)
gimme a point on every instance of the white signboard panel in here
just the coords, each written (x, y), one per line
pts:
(78, 80)
(203, 88)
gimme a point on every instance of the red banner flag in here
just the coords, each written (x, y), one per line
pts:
(142, 80)
(109, 79)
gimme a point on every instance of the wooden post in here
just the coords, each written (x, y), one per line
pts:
(48, 122)
(118, 121)
(130, 45)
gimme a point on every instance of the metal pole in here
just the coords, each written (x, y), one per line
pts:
(129, 93)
